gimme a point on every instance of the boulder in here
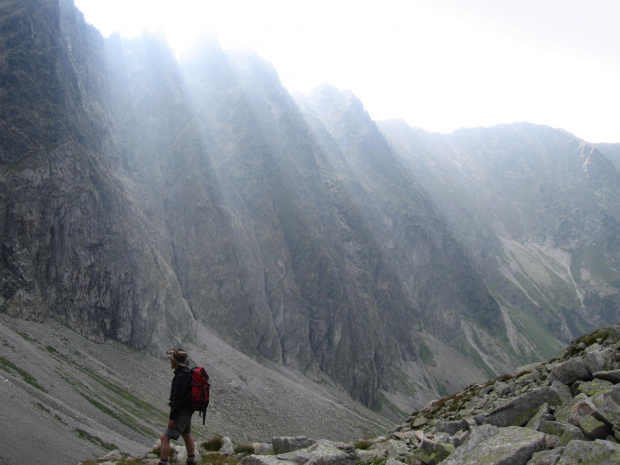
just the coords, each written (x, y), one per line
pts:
(262, 448)
(595, 361)
(227, 446)
(591, 388)
(613, 376)
(569, 371)
(564, 431)
(451, 427)
(543, 414)
(594, 452)
(511, 445)
(546, 457)
(282, 445)
(432, 452)
(322, 452)
(264, 460)
(608, 406)
(520, 410)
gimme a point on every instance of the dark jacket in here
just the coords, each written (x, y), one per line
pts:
(181, 384)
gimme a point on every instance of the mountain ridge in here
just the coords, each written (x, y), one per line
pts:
(146, 199)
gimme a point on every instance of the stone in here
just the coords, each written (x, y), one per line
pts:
(265, 460)
(451, 427)
(227, 446)
(594, 361)
(419, 422)
(591, 452)
(564, 431)
(323, 452)
(593, 428)
(520, 410)
(432, 452)
(543, 414)
(608, 405)
(613, 376)
(546, 457)
(591, 388)
(511, 445)
(262, 448)
(284, 444)
(113, 455)
(569, 371)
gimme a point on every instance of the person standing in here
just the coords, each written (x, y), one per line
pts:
(180, 418)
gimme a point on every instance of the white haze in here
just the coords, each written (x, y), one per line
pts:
(439, 64)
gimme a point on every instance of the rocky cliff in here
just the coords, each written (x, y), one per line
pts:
(143, 198)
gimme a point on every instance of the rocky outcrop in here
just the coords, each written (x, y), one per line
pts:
(562, 411)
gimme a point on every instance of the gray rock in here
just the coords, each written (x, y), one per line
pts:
(564, 431)
(546, 457)
(323, 452)
(519, 411)
(432, 452)
(262, 448)
(569, 371)
(595, 361)
(284, 444)
(593, 428)
(511, 445)
(265, 460)
(543, 414)
(613, 376)
(591, 452)
(608, 405)
(227, 446)
(591, 388)
(451, 427)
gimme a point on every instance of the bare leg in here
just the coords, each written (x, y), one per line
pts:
(189, 443)
(165, 447)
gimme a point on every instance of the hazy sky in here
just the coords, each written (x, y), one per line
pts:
(439, 64)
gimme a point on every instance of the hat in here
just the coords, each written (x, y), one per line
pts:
(179, 356)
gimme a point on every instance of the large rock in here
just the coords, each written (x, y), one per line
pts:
(591, 452)
(569, 371)
(323, 452)
(519, 411)
(608, 406)
(284, 444)
(512, 445)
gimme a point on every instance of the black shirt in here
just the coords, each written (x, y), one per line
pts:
(181, 384)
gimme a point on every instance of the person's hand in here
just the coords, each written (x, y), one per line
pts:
(170, 424)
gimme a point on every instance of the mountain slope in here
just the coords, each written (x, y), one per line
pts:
(537, 210)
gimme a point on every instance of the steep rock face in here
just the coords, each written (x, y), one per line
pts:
(537, 210)
(73, 241)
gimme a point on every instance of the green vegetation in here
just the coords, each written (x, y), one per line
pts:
(588, 340)
(363, 444)
(401, 382)
(9, 367)
(214, 444)
(427, 355)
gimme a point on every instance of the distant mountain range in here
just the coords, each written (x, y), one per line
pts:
(143, 198)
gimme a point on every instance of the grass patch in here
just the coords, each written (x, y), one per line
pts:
(214, 444)
(427, 355)
(9, 366)
(363, 444)
(94, 439)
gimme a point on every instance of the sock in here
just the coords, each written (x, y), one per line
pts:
(191, 458)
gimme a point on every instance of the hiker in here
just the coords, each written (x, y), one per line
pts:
(180, 419)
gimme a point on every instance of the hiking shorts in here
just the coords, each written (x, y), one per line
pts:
(182, 425)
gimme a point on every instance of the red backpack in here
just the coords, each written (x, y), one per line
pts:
(199, 391)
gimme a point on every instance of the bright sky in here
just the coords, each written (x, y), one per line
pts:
(439, 64)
